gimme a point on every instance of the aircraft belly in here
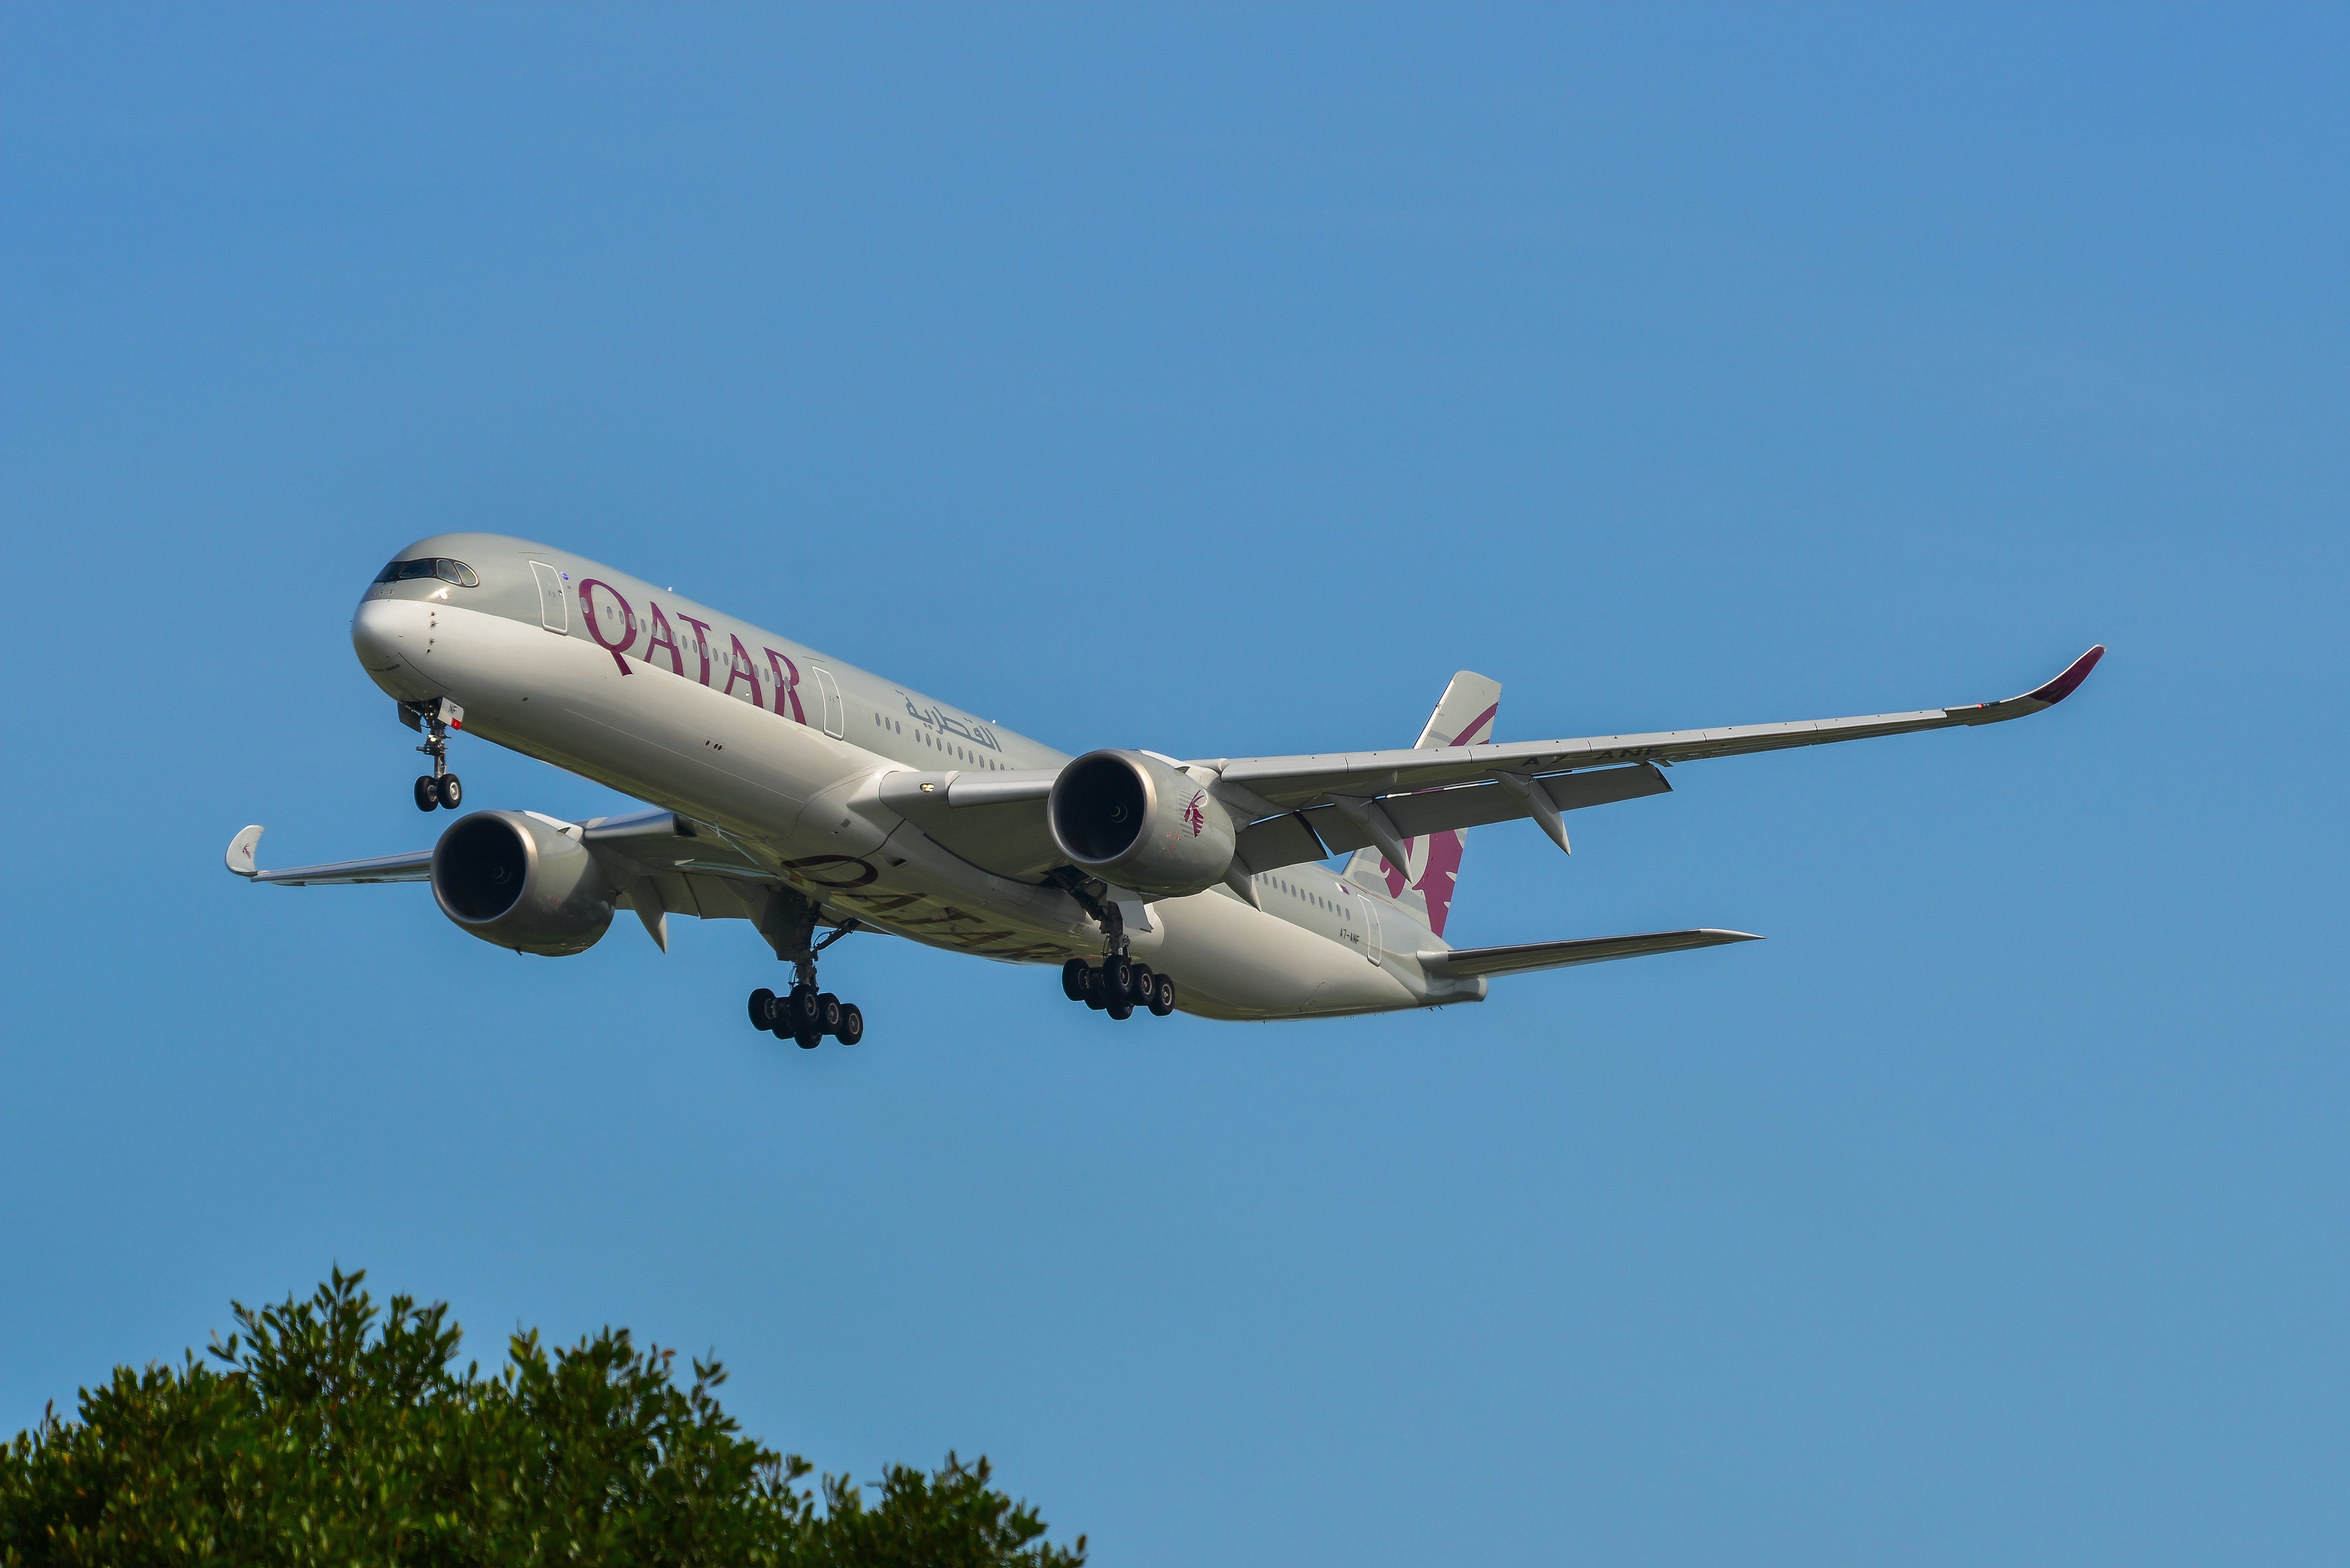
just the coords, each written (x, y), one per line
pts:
(1232, 962)
(913, 888)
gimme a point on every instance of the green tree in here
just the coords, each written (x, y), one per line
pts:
(328, 1432)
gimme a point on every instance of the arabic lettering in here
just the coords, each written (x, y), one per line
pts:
(938, 719)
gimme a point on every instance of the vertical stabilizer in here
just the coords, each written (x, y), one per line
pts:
(1464, 718)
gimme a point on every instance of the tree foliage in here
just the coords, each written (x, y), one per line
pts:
(328, 1432)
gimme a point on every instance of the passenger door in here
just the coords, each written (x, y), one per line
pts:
(836, 714)
(554, 614)
(1369, 908)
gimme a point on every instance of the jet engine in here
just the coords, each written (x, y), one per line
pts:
(514, 880)
(1133, 821)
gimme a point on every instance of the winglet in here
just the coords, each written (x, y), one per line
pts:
(2035, 701)
(242, 850)
(2057, 691)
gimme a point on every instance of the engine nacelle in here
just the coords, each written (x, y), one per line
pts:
(1131, 820)
(512, 880)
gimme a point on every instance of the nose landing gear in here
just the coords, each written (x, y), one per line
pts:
(440, 787)
(445, 790)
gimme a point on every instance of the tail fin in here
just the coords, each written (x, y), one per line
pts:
(1464, 718)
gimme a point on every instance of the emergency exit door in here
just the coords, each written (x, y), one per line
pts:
(1370, 912)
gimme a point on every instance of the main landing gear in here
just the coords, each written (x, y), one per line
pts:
(440, 787)
(1118, 986)
(803, 1014)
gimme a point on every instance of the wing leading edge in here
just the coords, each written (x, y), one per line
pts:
(1288, 783)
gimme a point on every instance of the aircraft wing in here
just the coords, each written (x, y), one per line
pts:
(1296, 809)
(413, 867)
(1290, 782)
(655, 843)
(659, 862)
(1462, 962)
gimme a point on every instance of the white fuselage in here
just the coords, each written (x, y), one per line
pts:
(782, 748)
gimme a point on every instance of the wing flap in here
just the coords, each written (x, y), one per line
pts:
(1318, 831)
(1525, 957)
(1278, 841)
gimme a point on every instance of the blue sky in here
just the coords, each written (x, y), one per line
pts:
(1221, 381)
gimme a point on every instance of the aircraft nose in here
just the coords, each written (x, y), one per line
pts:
(376, 634)
(392, 638)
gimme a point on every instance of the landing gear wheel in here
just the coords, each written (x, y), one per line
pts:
(787, 1021)
(1162, 997)
(852, 1024)
(762, 1009)
(1096, 989)
(809, 1039)
(1120, 1009)
(449, 791)
(1145, 986)
(827, 1014)
(428, 793)
(1118, 976)
(796, 1013)
(1073, 979)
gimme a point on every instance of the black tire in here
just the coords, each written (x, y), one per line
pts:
(809, 1039)
(1162, 997)
(1120, 1009)
(798, 1013)
(827, 1014)
(1119, 974)
(1097, 988)
(452, 792)
(852, 1024)
(428, 796)
(1073, 979)
(1144, 987)
(763, 1009)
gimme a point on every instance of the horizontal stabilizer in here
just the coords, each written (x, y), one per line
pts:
(1464, 963)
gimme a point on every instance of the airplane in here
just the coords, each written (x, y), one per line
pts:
(805, 795)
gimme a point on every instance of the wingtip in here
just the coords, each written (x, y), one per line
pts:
(1720, 935)
(244, 852)
(2065, 685)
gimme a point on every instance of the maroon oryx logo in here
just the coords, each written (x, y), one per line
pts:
(1193, 817)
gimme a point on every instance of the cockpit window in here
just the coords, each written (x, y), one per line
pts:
(439, 566)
